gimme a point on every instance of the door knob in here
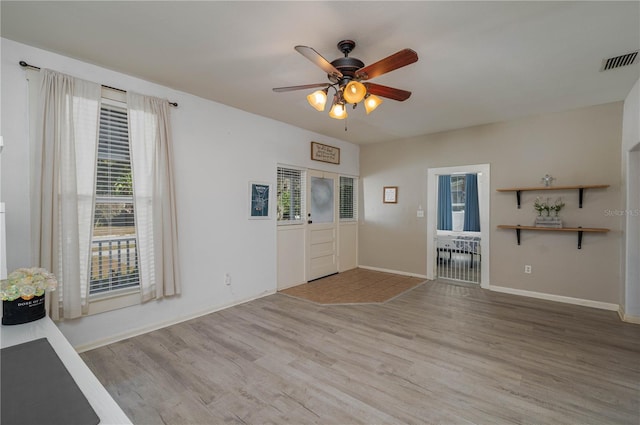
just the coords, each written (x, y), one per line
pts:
(310, 221)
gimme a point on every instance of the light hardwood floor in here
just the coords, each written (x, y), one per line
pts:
(440, 353)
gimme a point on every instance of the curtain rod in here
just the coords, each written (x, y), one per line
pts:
(26, 65)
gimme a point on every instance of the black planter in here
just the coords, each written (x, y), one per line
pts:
(20, 311)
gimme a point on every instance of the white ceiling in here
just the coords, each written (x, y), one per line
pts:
(480, 62)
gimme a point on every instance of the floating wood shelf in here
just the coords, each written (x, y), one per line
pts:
(580, 189)
(579, 230)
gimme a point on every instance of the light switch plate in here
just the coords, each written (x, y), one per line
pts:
(421, 213)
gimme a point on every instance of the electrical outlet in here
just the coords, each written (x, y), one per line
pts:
(227, 279)
(527, 269)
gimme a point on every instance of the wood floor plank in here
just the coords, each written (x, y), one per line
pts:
(439, 354)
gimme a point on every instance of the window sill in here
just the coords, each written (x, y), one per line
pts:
(112, 301)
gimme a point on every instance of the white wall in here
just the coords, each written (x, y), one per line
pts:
(218, 150)
(630, 293)
(347, 245)
(577, 147)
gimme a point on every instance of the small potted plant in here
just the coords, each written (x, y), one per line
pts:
(547, 220)
(22, 295)
(557, 207)
(541, 206)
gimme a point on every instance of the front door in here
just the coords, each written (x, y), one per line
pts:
(322, 226)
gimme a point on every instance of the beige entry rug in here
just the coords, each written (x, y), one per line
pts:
(357, 286)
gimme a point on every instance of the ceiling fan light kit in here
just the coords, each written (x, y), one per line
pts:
(371, 102)
(318, 99)
(354, 92)
(338, 111)
(345, 75)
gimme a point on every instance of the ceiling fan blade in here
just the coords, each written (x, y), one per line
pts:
(388, 92)
(317, 58)
(303, 87)
(397, 60)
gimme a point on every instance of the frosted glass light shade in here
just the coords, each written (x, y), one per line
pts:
(354, 92)
(338, 112)
(318, 99)
(371, 102)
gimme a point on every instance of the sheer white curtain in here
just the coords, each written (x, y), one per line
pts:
(64, 183)
(154, 196)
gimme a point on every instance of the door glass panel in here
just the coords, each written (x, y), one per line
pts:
(321, 200)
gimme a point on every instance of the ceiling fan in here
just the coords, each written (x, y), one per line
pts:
(345, 75)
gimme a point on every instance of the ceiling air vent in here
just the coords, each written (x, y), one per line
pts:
(619, 61)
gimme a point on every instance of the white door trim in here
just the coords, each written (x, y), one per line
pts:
(484, 196)
(631, 242)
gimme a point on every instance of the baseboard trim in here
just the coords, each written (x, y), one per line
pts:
(282, 288)
(150, 328)
(559, 298)
(401, 273)
(627, 317)
(631, 319)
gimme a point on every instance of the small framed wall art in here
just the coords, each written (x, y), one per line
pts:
(390, 195)
(259, 200)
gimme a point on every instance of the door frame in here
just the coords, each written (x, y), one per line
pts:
(484, 200)
(631, 242)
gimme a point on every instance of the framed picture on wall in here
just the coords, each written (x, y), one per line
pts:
(325, 153)
(390, 195)
(259, 200)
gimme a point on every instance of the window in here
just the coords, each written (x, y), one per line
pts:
(114, 254)
(291, 186)
(348, 199)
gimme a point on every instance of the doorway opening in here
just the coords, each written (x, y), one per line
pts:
(458, 223)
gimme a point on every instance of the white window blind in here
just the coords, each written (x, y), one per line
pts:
(348, 198)
(114, 256)
(291, 188)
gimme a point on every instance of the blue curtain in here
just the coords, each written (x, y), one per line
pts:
(445, 218)
(471, 207)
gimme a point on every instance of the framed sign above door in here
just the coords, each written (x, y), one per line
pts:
(325, 153)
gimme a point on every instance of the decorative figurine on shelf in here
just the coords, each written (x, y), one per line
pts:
(547, 180)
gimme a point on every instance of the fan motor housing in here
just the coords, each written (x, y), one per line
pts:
(348, 67)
